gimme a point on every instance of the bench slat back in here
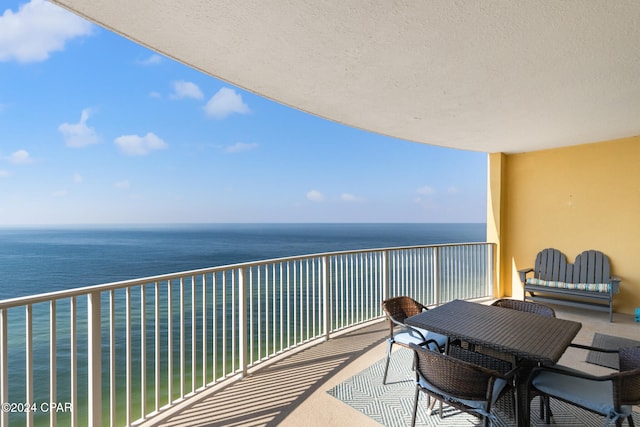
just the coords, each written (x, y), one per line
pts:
(589, 267)
(551, 264)
(592, 267)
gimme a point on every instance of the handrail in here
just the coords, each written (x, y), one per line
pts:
(147, 343)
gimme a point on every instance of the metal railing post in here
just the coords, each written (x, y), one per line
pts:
(385, 275)
(194, 341)
(4, 367)
(52, 361)
(74, 360)
(326, 305)
(94, 359)
(29, 361)
(436, 275)
(243, 320)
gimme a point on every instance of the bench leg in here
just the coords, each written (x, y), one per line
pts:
(610, 306)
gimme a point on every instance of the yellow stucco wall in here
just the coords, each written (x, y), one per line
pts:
(495, 198)
(573, 199)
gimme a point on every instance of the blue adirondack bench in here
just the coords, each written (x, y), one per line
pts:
(585, 283)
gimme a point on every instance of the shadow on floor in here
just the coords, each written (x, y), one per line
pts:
(266, 397)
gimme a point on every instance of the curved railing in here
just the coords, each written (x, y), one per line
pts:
(119, 353)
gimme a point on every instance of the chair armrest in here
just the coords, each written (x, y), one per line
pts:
(570, 373)
(423, 341)
(423, 307)
(396, 322)
(590, 348)
(393, 323)
(523, 274)
(404, 325)
(428, 344)
(512, 373)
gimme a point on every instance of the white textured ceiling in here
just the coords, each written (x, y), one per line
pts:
(493, 76)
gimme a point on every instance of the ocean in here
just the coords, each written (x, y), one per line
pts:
(44, 259)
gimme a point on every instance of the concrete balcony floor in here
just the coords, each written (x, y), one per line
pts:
(293, 390)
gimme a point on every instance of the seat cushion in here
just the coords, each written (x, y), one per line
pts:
(479, 406)
(596, 396)
(411, 336)
(591, 287)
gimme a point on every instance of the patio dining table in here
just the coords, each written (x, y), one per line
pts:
(526, 336)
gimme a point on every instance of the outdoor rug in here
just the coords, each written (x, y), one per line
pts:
(392, 404)
(609, 360)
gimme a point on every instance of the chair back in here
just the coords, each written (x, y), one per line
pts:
(626, 384)
(399, 308)
(454, 377)
(527, 306)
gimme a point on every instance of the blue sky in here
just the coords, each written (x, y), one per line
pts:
(96, 129)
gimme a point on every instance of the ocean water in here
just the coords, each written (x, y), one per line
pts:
(35, 260)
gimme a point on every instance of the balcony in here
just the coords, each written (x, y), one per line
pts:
(293, 391)
(133, 352)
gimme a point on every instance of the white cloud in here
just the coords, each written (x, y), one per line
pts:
(427, 204)
(79, 135)
(241, 146)
(123, 185)
(346, 197)
(154, 59)
(224, 103)
(20, 157)
(38, 29)
(59, 193)
(182, 89)
(77, 178)
(453, 190)
(426, 190)
(315, 196)
(4, 173)
(134, 145)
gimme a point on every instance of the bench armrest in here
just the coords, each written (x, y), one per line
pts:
(615, 284)
(523, 274)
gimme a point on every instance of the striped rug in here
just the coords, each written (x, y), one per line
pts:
(392, 404)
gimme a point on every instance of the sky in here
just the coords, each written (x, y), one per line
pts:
(95, 129)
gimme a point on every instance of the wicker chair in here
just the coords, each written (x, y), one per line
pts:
(527, 306)
(610, 395)
(460, 383)
(398, 309)
(540, 310)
